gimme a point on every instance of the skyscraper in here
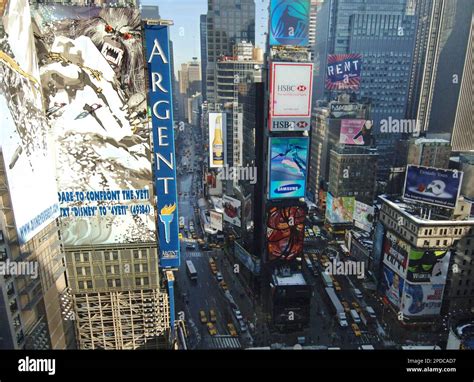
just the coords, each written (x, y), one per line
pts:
(440, 94)
(228, 22)
(382, 31)
(203, 43)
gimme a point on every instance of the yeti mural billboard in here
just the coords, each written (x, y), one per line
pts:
(159, 72)
(93, 79)
(24, 144)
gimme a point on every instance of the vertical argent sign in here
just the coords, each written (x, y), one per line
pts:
(160, 99)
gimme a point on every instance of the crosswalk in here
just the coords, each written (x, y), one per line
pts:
(194, 254)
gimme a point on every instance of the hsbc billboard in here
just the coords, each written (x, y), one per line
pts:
(291, 88)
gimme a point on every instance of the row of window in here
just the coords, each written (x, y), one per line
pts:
(114, 283)
(113, 269)
(84, 257)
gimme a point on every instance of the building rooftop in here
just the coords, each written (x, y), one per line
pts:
(293, 279)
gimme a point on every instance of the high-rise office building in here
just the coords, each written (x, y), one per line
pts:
(429, 152)
(427, 256)
(189, 80)
(314, 8)
(382, 31)
(228, 22)
(440, 93)
(203, 45)
(352, 172)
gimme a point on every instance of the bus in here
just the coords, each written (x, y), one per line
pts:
(327, 280)
(192, 273)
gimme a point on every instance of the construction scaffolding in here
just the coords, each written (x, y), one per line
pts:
(121, 320)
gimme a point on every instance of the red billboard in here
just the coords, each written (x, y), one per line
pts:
(285, 232)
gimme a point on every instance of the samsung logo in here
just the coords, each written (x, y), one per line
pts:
(288, 188)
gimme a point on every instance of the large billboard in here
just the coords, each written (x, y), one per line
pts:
(92, 75)
(27, 151)
(339, 210)
(217, 140)
(232, 210)
(216, 220)
(251, 262)
(289, 22)
(432, 185)
(428, 266)
(343, 71)
(356, 132)
(392, 286)
(422, 299)
(288, 167)
(285, 232)
(161, 105)
(291, 90)
(364, 216)
(395, 254)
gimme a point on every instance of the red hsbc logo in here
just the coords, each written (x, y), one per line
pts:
(302, 124)
(301, 88)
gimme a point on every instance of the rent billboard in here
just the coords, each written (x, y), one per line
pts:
(356, 132)
(93, 79)
(289, 22)
(339, 210)
(161, 105)
(288, 167)
(435, 186)
(24, 135)
(232, 210)
(217, 140)
(285, 232)
(343, 71)
(291, 87)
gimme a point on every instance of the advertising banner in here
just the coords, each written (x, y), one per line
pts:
(343, 71)
(432, 186)
(428, 266)
(291, 87)
(289, 22)
(217, 140)
(395, 254)
(232, 210)
(216, 220)
(346, 110)
(339, 210)
(288, 167)
(161, 104)
(92, 75)
(392, 286)
(249, 261)
(24, 140)
(285, 232)
(356, 132)
(364, 216)
(422, 299)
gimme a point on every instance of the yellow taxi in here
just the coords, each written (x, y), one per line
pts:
(211, 329)
(356, 330)
(202, 316)
(232, 331)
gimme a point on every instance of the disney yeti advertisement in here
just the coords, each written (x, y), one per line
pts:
(93, 80)
(24, 140)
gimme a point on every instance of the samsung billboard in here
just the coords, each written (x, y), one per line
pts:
(288, 167)
(160, 98)
(435, 186)
(291, 86)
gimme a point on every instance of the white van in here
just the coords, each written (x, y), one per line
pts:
(371, 311)
(355, 316)
(358, 293)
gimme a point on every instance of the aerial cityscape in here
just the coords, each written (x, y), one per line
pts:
(237, 174)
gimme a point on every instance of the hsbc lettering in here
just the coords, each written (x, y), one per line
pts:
(291, 88)
(284, 125)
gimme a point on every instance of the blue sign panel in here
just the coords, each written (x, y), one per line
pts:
(433, 185)
(289, 24)
(288, 167)
(160, 98)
